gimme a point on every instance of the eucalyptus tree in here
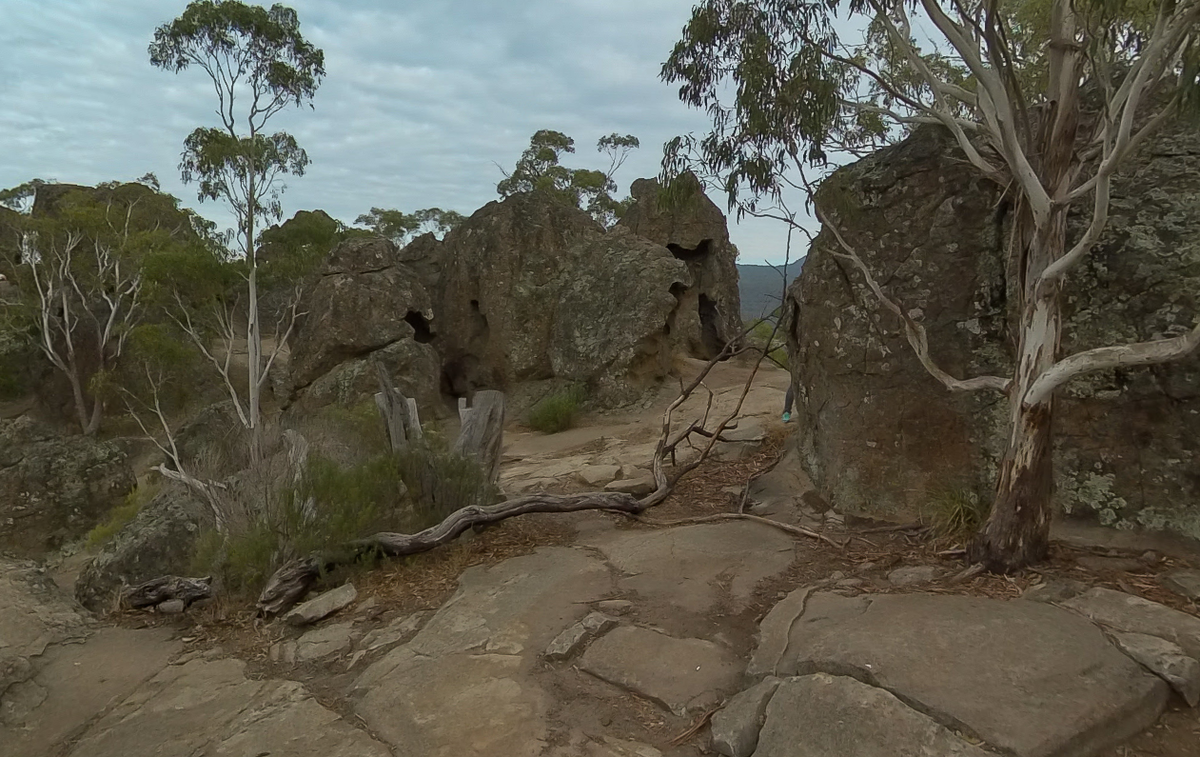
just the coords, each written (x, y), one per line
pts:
(259, 64)
(1047, 98)
(401, 227)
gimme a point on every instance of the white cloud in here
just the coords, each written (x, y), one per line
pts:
(419, 103)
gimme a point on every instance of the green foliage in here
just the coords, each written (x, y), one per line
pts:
(440, 482)
(765, 337)
(556, 412)
(122, 515)
(401, 227)
(20, 198)
(256, 57)
(538, 169)
(954, 513)
(290, 251)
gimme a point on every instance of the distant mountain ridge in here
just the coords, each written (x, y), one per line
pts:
(760, 287)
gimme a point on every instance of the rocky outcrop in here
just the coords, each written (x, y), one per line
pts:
(364, 305)
(55, 488)
(695, 231)
(532, 289)
(878, 435)
(159, 541)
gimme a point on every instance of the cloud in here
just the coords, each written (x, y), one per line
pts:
(420, 103)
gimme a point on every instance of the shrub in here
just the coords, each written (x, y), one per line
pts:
(121, 515)
(760, 337)
(556, 411)
(955, 512)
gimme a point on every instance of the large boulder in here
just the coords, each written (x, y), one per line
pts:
(55, 488)
(878, 434)
(533, 289)
(364, 304)
(694, 229)
(160, 540)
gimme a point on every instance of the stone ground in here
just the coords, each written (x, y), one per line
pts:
(593, 636)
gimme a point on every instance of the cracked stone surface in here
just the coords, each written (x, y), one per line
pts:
(1166, 660)
(211, 708)
(1185, 583)
(1026, 677)
(322, 606)
(1125, 612)
(735, 728)
(832, 716)
(681, 566)
(570, 641)
(682, 675)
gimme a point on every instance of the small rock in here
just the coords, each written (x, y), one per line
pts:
(638, 487)
(572, 639)
(620, 748)
(597, 475)
(1185, 583)
(914, 574)
(283, 651)
(1099, 564)
(735, 728)
(366, 606)
(834, 518)
(1165, 660)
(1054, 590)
(836, 575)
(325, 641)
(849, 583)
(865, 567)
(401, 629)
(615, 606)
(322, 606)
(171, 607)
(1150, 557)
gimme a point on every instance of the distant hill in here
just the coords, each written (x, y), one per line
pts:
(760, 287)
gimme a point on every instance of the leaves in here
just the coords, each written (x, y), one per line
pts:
(400, 227)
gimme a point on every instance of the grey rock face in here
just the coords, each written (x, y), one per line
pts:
(322, 606)
(735, 728)
(878, 433)
(1165, 660)
(914, 574)
(574, 638)
(1185, 583)
(1125, 612)
(55, 488)
(158, 541)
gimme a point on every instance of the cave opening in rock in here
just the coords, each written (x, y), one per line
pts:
(690, 254)
(710, 330)
(422, 332)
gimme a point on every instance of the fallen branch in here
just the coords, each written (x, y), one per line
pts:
(786, 527)
(159, 590)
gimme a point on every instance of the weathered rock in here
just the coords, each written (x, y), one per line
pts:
(615, 606)
(679, 566)
(735, 728)
(695, 231)
(159, 541)
(682, 675)
(322, 606)
(834, 716)
(570, 641)
(773, 632)
(55, 488)
(612, 747)
(401, 629)
(1165, 660)
(638, 487)
(325, 641)
(365, 303)
(205, 707)
(532, 289)
(914, 574)
(1185, 583)
(1125, 612)
(1096, 563)
(878, 434)
(598, 475)
(1026, 677)
(171, 607)
(1055, 590)
(36, 615)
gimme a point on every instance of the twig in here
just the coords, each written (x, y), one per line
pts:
(786, 527)
(694, 728)
(890, 529)
(968, 574)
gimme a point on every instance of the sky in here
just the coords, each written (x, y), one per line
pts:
(421, 103)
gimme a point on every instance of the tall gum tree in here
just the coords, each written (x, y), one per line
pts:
(787, 82)
(259, 65)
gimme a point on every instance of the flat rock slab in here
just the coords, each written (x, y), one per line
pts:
(1125, 612)
(735, 728)
(680, 674)
(1185, 583)
(322, 606)
(1165, 660)
(570, 641)
(912, 575)
(1026, 677)
(835, 716)
(680, 566)
(211, 708)
(325, 641)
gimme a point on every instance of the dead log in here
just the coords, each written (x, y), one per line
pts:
(292, 581)
(399, 413)
(483, 432)
(159, 590)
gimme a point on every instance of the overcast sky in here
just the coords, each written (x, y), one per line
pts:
(420, 102)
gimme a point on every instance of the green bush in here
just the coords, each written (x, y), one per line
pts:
(121, 515)
(955, 512)
(334, 505)
(556, 411)
(760, 337)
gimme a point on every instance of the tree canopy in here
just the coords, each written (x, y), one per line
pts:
(538, 169)
(400, 227)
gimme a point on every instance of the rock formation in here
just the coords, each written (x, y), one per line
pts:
(364, 305)
(879, 436)
(54, 488)
(695, 232)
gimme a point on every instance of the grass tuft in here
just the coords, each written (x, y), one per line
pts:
(557, 411)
